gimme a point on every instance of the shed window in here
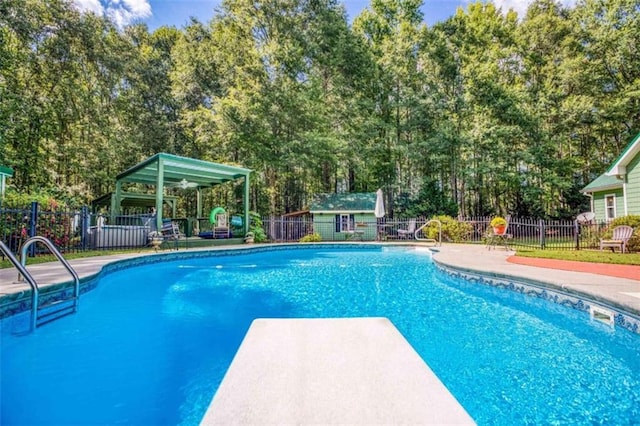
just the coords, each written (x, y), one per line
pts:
(344, 222)
(610, 206)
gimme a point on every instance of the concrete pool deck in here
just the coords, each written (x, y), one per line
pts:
(287, 341)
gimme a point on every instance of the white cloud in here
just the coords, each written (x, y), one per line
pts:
(520, 6)
(122, 12)
(89, 6)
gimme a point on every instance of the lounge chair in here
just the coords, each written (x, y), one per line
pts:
(620, 237)
(221, 228)
(408, 233)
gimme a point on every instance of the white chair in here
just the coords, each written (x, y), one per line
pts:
(221, 229)
(619, 239)
(408, 233)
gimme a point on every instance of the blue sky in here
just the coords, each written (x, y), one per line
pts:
(177, 12)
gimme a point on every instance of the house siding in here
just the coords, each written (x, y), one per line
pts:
(633, 186)
(599, 203)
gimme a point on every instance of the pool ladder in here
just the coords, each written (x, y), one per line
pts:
(417, 236)
(46, 312)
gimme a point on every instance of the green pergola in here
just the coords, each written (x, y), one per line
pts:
(167, 170)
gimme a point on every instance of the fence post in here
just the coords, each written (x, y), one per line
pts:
(576, 232)
(84, 226)
(542, 232)
(33, 220)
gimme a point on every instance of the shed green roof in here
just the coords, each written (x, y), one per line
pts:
(601, 183)
(349, 202)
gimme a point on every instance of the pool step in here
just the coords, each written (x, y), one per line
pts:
(52, 311)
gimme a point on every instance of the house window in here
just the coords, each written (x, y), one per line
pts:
(610, 206)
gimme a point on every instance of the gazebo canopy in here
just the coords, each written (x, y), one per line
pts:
(171, 171)
(176, 171)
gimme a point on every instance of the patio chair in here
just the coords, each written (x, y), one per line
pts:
(619, 239)
(407, 233)
(221, 228)
(171, 232)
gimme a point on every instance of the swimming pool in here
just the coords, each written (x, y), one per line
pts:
(151, 344)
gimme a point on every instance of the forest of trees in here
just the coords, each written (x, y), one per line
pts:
(487, 112)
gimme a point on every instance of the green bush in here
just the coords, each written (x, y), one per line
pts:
(452, 230)
(632, 221)
(256, 226)
(19, 200)
(311, 238)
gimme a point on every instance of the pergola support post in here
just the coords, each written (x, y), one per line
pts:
(246, 203)
(159, 194)
(115, 202)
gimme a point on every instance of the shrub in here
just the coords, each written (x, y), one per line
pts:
(19, 200)
(452, 230)
(256, 227)
(311, 238)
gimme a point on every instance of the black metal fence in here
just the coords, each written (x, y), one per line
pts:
(542, 234)
(522, 232)
(76, 230)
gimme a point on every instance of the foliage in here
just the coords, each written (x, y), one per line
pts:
(311, 238)
(452, 229)
(498, 221)
(256, 227)
(46, 201)
(482, 113)
(429, 201)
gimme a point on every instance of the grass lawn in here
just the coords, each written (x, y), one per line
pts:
(596, 256)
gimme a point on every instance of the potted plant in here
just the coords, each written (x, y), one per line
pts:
(499, 225)
(155, 239)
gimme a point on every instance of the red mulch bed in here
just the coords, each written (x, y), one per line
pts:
(620, 271)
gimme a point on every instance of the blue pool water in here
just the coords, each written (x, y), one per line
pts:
(151, 344)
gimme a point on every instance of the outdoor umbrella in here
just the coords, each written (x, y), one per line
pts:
(379, 211)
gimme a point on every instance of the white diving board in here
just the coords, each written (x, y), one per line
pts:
(331, 371)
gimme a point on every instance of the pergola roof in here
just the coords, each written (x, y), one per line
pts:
(178, 169)
(167, 170)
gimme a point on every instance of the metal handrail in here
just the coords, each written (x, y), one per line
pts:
(52, 248)
(430, 240)
(32, 283)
